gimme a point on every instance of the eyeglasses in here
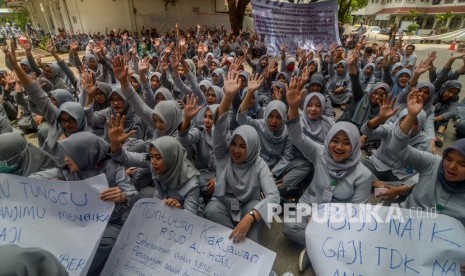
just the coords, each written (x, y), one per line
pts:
(116, 100)
(69, 121)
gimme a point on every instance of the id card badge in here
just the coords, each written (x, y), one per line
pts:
(235, 205)
(327, 195)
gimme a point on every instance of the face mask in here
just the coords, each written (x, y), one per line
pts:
(290, 67)
(4, 168)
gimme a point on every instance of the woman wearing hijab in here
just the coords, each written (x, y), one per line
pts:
(118, 105)
(445, 104)
(341, 176)
(317, 84)
(339, 86)
(174, 177)
(99, 71)
(427, 92)
(242, 175)
(19, 157)
(87, 155)
(63, 122)
(52, 73)
(441, 183)
(315, 124)
(163, 120)
(364, 104)
(382, 163)
(200, 138)
(366, 76)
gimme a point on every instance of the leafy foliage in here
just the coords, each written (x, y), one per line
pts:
(346, 7)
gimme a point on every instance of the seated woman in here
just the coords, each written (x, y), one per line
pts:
(341, 176)
(86, 155)
(441, 182)
(364, 104)
(200, 138)
(175, 178)
(19, 157)
(63, 122)
(242, 175)
(381, 163)
(339, 87)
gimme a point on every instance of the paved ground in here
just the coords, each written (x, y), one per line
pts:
(287, 251)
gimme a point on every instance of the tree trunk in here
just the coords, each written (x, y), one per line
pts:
(236, 14)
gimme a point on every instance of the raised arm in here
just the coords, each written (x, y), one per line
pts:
(139, 106)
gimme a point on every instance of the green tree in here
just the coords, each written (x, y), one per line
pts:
(346, 7)
(236, 10)
(443, 17)
(414, 14)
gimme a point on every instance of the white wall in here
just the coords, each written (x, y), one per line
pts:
(98, 14)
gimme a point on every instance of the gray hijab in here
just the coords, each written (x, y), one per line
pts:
(170, 113)
(165, 92)
(88, 151)
(279, 135)
(339, 170)
(219, 94)
(105, 88)
(26, 158)
(179, 169)
(62, 96)
(29, 262)
(76, 111)
(241, 179)
(317, 129)
(131, 122)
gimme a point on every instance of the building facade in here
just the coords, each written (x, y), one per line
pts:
(385, 13)
(133, 15)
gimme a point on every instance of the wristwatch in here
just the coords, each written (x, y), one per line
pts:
(253, 215)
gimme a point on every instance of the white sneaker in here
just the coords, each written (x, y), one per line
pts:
(304, 260)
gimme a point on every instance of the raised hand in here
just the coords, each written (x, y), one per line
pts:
(245, 49)
(255, 82)
(231, 83)
(237, 63)
(422, 67)
(191, 108)
(115, 129)
(294, 94)
(353, 57)
(120, 70)
(305, 77)
(386, 108)
(386, 51)
(174, 60)
(414, 103)
(431, 57)
(144, 65)
(51, 48)
(283, 48)
(10, 78)
(73, 47)
(88, 83)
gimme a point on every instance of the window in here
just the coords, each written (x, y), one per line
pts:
(448, 1)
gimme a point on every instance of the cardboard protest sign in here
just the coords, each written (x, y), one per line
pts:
(159, 240)
(345, 239)
(66, 218)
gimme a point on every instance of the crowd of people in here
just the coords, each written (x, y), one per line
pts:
(180, 118)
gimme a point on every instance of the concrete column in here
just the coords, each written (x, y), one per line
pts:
(52, 11)
(131, 15)
(462, 25)
(65, 16)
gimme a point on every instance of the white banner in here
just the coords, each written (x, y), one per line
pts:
(66, 218)
(296, 25)
(159, 240)
(344, 239)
